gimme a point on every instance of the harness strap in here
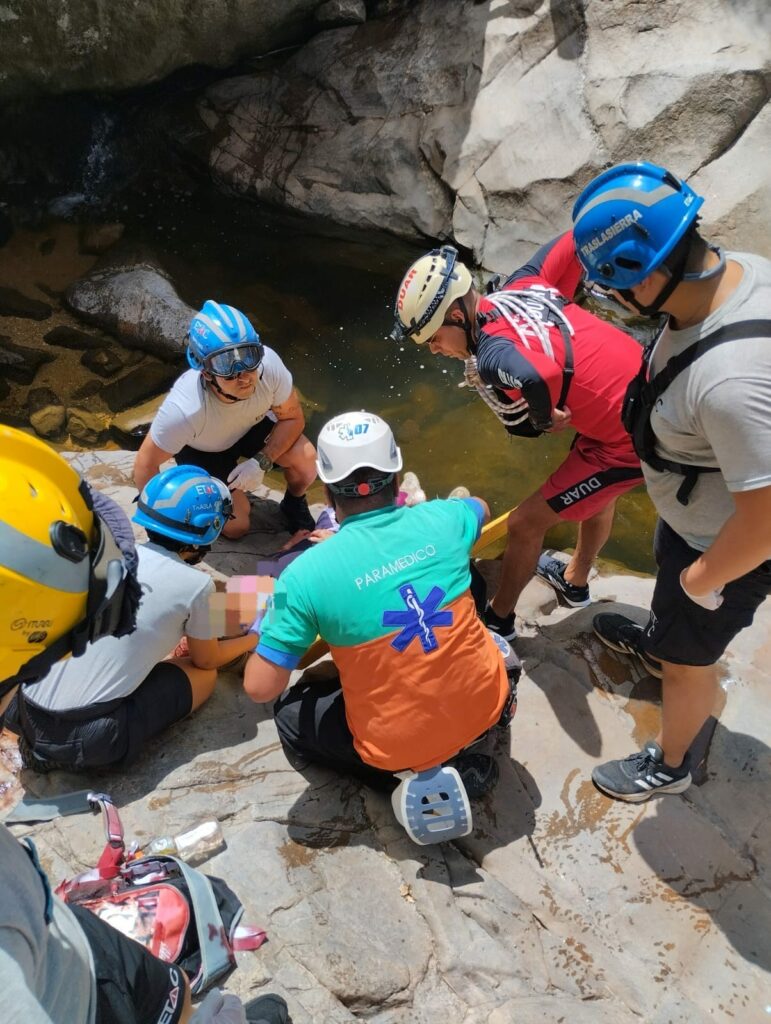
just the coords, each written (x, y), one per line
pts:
(651, 390)
(215, 948)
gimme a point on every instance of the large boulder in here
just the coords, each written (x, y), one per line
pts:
(482, 122)
(67, 45)
(133, 298)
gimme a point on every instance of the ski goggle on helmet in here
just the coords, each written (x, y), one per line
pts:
(428, 289)
(223, 342)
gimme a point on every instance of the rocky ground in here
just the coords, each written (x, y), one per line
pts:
(561, 905)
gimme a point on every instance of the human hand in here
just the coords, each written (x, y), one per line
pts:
(317, 536)
(560, 419)
(711, 600)
(247, 476)
(220, 1008)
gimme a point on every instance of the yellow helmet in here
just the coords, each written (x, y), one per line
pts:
(428, 289)
(46, 535)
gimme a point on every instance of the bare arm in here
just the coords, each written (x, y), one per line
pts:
(263, 680)
(148, 461)
(290, 425)
(213, 653)
(742, 545)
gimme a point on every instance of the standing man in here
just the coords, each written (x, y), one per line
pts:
(701, 424)
(541, 363)
(236, 402)
(420, 678)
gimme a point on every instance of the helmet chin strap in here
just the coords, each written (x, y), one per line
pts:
(677, 276)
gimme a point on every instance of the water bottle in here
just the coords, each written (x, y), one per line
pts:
(194, 844)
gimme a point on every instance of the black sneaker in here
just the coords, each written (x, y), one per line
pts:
(552, 571)
(622, 635)
(296, 512)
(641, 776)
(270, 1009)
(478, 772)
(502, 626)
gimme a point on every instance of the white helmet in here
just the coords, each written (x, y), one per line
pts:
(429, 288)
(356, 440)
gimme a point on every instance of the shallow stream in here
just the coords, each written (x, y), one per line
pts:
(323, 300)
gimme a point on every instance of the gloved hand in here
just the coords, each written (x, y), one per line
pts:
(711, 600)
(219, 1008)
(247, 476)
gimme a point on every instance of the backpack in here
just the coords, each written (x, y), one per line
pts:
(642, 394)
(179, 914)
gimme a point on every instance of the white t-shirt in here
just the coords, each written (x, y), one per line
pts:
(175, 603)
(192, 415)
(717, 412)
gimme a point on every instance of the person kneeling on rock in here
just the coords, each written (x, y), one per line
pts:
(236, 402)
(100, 708)
(420, 678)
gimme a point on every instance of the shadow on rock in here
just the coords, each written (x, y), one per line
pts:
(228, 719)
(708, 850)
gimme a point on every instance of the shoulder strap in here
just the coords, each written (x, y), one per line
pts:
(731, 332)
(216, 952)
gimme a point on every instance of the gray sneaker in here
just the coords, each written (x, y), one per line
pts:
(642, 775)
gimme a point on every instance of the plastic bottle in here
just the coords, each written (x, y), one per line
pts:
(194, 844)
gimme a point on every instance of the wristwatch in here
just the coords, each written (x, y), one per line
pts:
(263, 461)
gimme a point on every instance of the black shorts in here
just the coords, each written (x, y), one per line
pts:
(132, 985)
(111, 733)
(684, 633)
(221, 464)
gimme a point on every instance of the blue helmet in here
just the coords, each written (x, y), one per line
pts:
(222, 341)
(628, 220)
(185, 504)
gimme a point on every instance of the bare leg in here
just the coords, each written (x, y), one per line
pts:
(687, 700)
(592, 534)
(202, 680)
(299, 466)
(527, 525)
(239, 526)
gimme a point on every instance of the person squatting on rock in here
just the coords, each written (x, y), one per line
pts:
(236, 402)
(541, 363)
(67, 579)
(420, 678)
(99, 709)
(704, 434)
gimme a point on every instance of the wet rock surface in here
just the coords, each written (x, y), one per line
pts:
(14, 303)
(134, 300)
(561, 904)
(20, 363)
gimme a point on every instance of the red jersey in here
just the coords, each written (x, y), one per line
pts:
(521, 349)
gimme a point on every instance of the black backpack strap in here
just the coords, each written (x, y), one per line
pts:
(675, 366)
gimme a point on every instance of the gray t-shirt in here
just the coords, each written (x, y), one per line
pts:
(46, 970)
(717, 412)
(192, 415)
(175, 603)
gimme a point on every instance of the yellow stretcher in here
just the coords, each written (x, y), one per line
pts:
(492, 533)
